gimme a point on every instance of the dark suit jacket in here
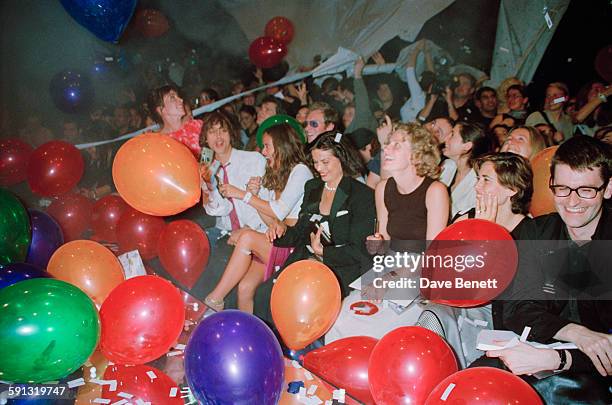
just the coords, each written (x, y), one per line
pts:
(351, 220)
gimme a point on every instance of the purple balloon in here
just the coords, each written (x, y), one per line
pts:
(46, 238)
(15, 272)
(234, 358)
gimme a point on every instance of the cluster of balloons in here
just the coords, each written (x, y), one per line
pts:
(269, 50)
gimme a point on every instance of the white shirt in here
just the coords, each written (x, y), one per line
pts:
(463, 197)
(241, 166)
(416, 102)
(289, 203)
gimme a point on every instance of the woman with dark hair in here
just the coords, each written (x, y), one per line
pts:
(466, 143)
(503, 192)
(277, 198)
(594, 109)
(342, 210)
(168, 111)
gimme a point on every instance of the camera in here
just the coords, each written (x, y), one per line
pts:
(443, 78)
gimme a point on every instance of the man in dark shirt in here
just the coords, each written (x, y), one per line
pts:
(562, 289)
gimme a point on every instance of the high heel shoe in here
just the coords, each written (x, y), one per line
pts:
(216, 305)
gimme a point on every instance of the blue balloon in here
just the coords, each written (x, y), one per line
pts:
(15, 272)
(46, 238)
(234, 358)
(71, 91)
(106, 19)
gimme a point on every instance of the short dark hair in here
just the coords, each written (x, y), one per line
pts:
(475, 133)
(211, 92)
(513, 172)
(343, 149)
(249, 109)
(584, 153)
(279, 105)
(156, 99)
(481, 90)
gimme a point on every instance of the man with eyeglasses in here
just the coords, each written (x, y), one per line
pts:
(321, 118)
(563, 286)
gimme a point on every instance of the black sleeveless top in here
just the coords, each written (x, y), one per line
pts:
(407, 213)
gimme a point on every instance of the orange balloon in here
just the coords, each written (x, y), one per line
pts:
(89, 266)
(305, 302)
(542, 201)
(157, 175)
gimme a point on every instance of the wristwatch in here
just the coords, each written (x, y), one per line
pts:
(563, 362)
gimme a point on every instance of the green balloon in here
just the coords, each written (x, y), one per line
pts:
(15, 233)
(48, 329)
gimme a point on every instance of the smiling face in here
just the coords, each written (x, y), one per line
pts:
(327, 165)
(580, 215)
(515, 100)
(519, 142)
(218, 139)
(268, 150)
(315, 125)
(440, 128)
(454, 147)
(397, 153)
(488, 183)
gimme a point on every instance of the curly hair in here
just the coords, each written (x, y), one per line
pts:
(513, 172)
(343, 149)
(288, 152)
(425, 152)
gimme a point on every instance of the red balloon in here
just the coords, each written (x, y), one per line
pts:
(136, 230)
(55, 168)
(183, 251)
(14, 156)
(135, 381)
(483, 385)
(73, 213)
(106, 214)
(281, 29)
(468, 264)
(266, 52)
(406, 365)
(141, 319)
(151, 23)
(344, 363)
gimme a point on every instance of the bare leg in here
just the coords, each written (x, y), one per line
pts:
(240, 261)
(247, 286)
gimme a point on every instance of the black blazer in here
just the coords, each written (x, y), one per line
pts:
(351, 220)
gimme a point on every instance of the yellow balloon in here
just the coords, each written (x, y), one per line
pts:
(157, 175)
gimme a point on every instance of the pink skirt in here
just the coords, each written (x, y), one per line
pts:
(278, 256)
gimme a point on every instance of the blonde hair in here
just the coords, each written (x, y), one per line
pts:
(425, 153)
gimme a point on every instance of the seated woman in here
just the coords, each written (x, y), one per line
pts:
(344, 208)
(524, 141)
(503, 191)
(411, 207)
(169, 112)
(466, 143)
(279, 199)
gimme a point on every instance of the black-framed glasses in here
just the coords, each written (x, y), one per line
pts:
(585, 192)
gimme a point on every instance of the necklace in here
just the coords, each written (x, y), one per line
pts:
(328, 188)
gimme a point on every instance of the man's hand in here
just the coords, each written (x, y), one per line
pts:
(596, 345)
(526, 359)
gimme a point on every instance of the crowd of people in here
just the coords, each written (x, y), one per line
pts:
(346, 165)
